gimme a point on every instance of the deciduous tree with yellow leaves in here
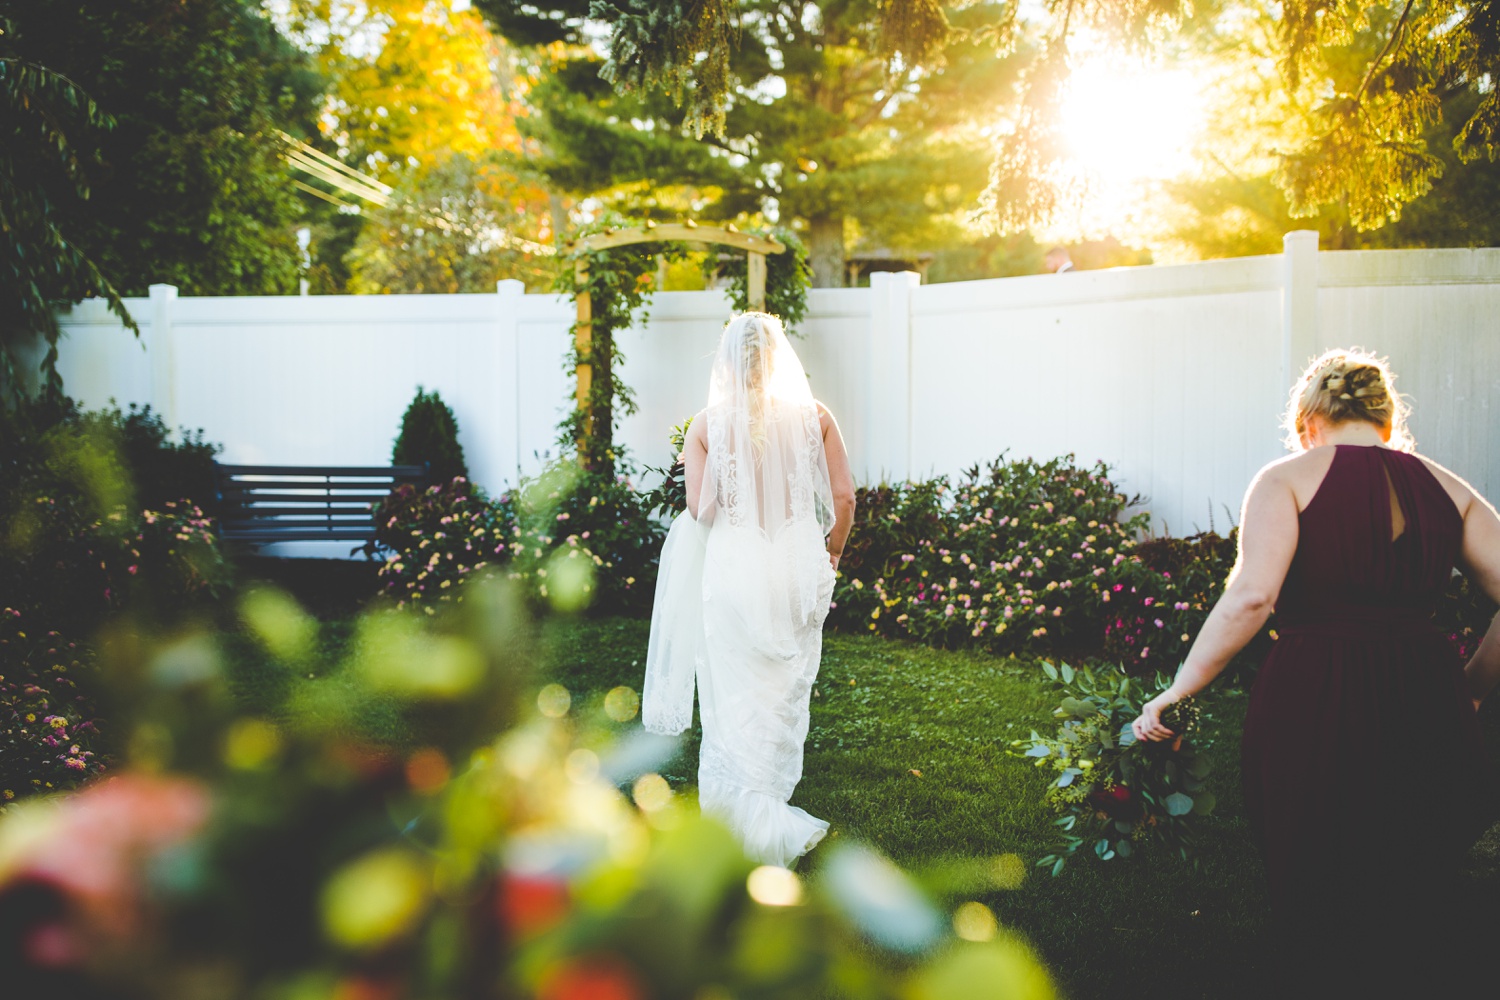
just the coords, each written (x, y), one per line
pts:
(424, 98)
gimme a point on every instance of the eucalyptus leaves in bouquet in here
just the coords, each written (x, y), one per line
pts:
(1116, 794)
(670, 498)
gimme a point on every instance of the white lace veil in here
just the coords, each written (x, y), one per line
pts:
(766, 467)
(766, 473)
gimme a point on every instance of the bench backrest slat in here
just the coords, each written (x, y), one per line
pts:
(261, 504)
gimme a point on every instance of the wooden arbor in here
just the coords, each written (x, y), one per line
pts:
(594, 364)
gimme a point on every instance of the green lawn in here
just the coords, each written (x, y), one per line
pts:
(1149, 926)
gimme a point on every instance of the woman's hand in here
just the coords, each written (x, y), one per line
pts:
(1149, 727)
(833, 560)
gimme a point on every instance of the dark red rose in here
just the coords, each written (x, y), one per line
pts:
(1117, 802)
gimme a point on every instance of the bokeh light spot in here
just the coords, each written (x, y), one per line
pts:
(554, 701)
(771, 886)
(279, 622)
(570, 580)
(427, 771)
(652, 792)
(975, 922)
(375, 899)
(582, 766)
(622, 703)
(250, 744)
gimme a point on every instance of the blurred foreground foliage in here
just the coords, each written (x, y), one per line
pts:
(511, 843)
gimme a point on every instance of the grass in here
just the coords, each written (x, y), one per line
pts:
(907, 751)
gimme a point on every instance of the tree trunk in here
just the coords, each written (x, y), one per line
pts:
(825, 250)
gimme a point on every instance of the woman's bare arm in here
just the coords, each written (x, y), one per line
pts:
(1268, 541)
(842, 481)
(694, 460)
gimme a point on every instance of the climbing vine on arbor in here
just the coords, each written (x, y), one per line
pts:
(788, 277)
(619, 282)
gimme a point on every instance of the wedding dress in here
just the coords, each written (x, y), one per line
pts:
(743, 592)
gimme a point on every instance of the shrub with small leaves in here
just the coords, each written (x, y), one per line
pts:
(429, 436)
(583, 539)
(431, 540)
(71, 570)
(573, 540)
(1016, 556)
(1159, 601)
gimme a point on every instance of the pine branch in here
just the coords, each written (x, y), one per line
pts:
(1396, 34)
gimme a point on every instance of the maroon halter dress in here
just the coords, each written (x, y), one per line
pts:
(1365, 772)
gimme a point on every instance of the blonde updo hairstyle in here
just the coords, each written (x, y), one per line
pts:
(1345, 385)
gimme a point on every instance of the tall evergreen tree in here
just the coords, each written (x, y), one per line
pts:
(1367, 148)
(809, 111)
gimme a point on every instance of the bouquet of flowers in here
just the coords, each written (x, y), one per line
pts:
(1115, 793)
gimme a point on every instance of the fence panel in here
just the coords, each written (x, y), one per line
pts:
(1174, 375)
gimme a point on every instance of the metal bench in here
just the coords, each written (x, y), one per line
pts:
(262, 504)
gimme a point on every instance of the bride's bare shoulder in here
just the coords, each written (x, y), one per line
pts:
(698, 427)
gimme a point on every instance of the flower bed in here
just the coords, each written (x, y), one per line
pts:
(1020, 556)
(573, 541)
(48, 727)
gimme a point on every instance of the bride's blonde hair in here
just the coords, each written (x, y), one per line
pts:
(1344, 385)
(755, 333)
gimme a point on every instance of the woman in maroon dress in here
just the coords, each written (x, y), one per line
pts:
(1365, 774)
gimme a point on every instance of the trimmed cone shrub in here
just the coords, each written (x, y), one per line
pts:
(429, 436)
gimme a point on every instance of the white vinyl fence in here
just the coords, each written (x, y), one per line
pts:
(1174, 375)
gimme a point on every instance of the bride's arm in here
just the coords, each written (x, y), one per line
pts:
(842, 481)
(694, 459)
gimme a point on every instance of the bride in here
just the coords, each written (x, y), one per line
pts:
(746, 577)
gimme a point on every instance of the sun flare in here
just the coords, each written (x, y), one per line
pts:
(1125, 126)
